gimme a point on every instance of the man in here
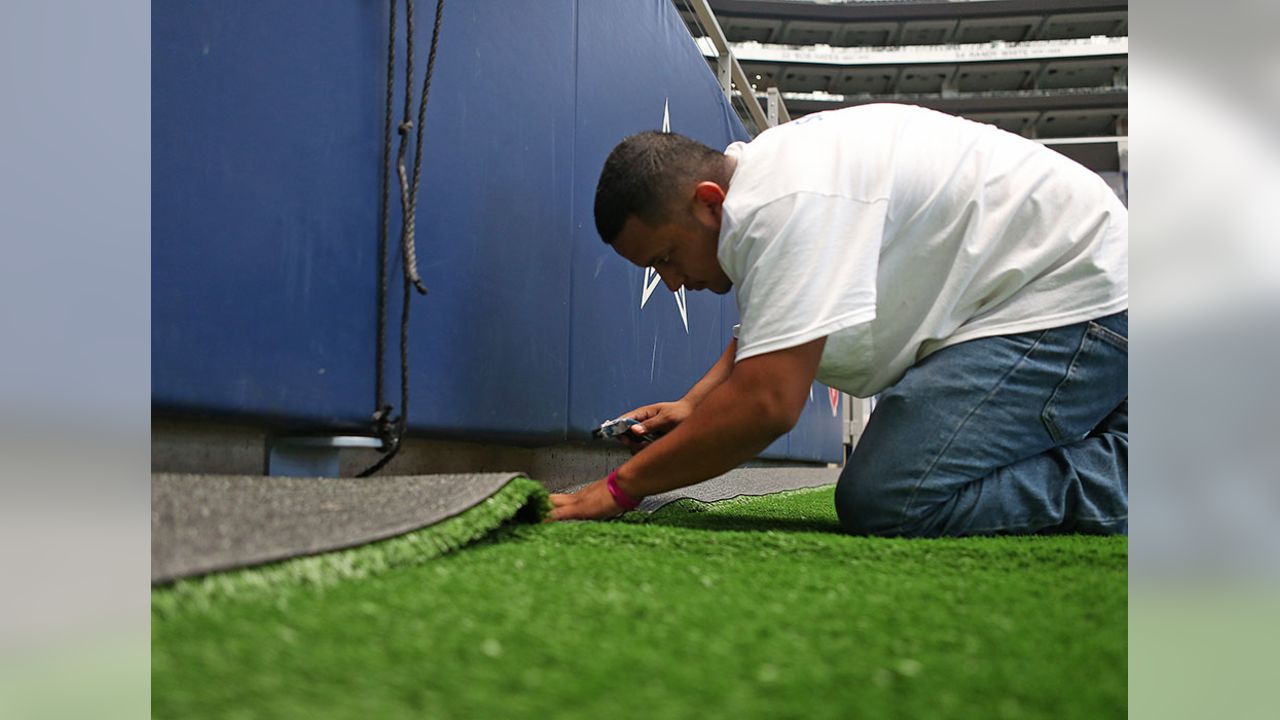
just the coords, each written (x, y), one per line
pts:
(974, 279)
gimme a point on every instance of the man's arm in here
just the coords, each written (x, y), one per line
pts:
(663, 417)
(761, 399)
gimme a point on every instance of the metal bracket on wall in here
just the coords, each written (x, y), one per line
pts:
(777, 108)
(312, 456)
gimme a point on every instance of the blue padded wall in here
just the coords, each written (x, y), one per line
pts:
(267, 136)
(264, 164)
(817, 435)
(491, 341)
(267, 143)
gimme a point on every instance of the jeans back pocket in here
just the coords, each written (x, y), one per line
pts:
(1096, 381)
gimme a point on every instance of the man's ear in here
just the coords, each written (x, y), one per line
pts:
(708, 197)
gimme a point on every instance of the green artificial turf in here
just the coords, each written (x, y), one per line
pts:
(749, 608)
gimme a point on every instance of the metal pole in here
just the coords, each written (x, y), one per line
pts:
(729, 71)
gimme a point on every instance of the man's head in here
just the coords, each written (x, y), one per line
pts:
(658, 204)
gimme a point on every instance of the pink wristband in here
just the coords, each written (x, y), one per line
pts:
(620, 496)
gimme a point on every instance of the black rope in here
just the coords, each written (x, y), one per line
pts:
(410, 250)
(382, 413)
(392, 429)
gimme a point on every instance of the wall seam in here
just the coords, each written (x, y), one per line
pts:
(573, 235)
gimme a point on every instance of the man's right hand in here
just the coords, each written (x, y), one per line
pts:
(659, 419)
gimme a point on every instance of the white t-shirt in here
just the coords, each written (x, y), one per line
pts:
(895, 231)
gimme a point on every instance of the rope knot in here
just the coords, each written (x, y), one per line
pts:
(385, 427)
(405, 127)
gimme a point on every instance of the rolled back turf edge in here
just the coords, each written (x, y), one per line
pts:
(520, 500)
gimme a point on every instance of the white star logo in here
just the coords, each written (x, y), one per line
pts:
(651, 277)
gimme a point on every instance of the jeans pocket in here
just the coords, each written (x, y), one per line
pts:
(1096, 381)
(1113, 329)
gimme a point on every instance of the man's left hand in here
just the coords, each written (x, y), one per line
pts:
(593, 502)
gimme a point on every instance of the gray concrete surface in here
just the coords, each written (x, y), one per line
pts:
(192, 446)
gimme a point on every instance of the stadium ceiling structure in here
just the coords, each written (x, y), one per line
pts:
(1051, 70)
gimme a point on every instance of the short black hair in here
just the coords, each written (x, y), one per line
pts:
(645, 174)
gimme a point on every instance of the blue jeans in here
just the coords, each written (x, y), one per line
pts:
(1014, 434)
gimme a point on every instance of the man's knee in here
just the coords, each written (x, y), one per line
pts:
(863, 508)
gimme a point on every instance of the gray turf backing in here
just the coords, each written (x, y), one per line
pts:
(203, 523)
(743, 481)
(747, 481)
